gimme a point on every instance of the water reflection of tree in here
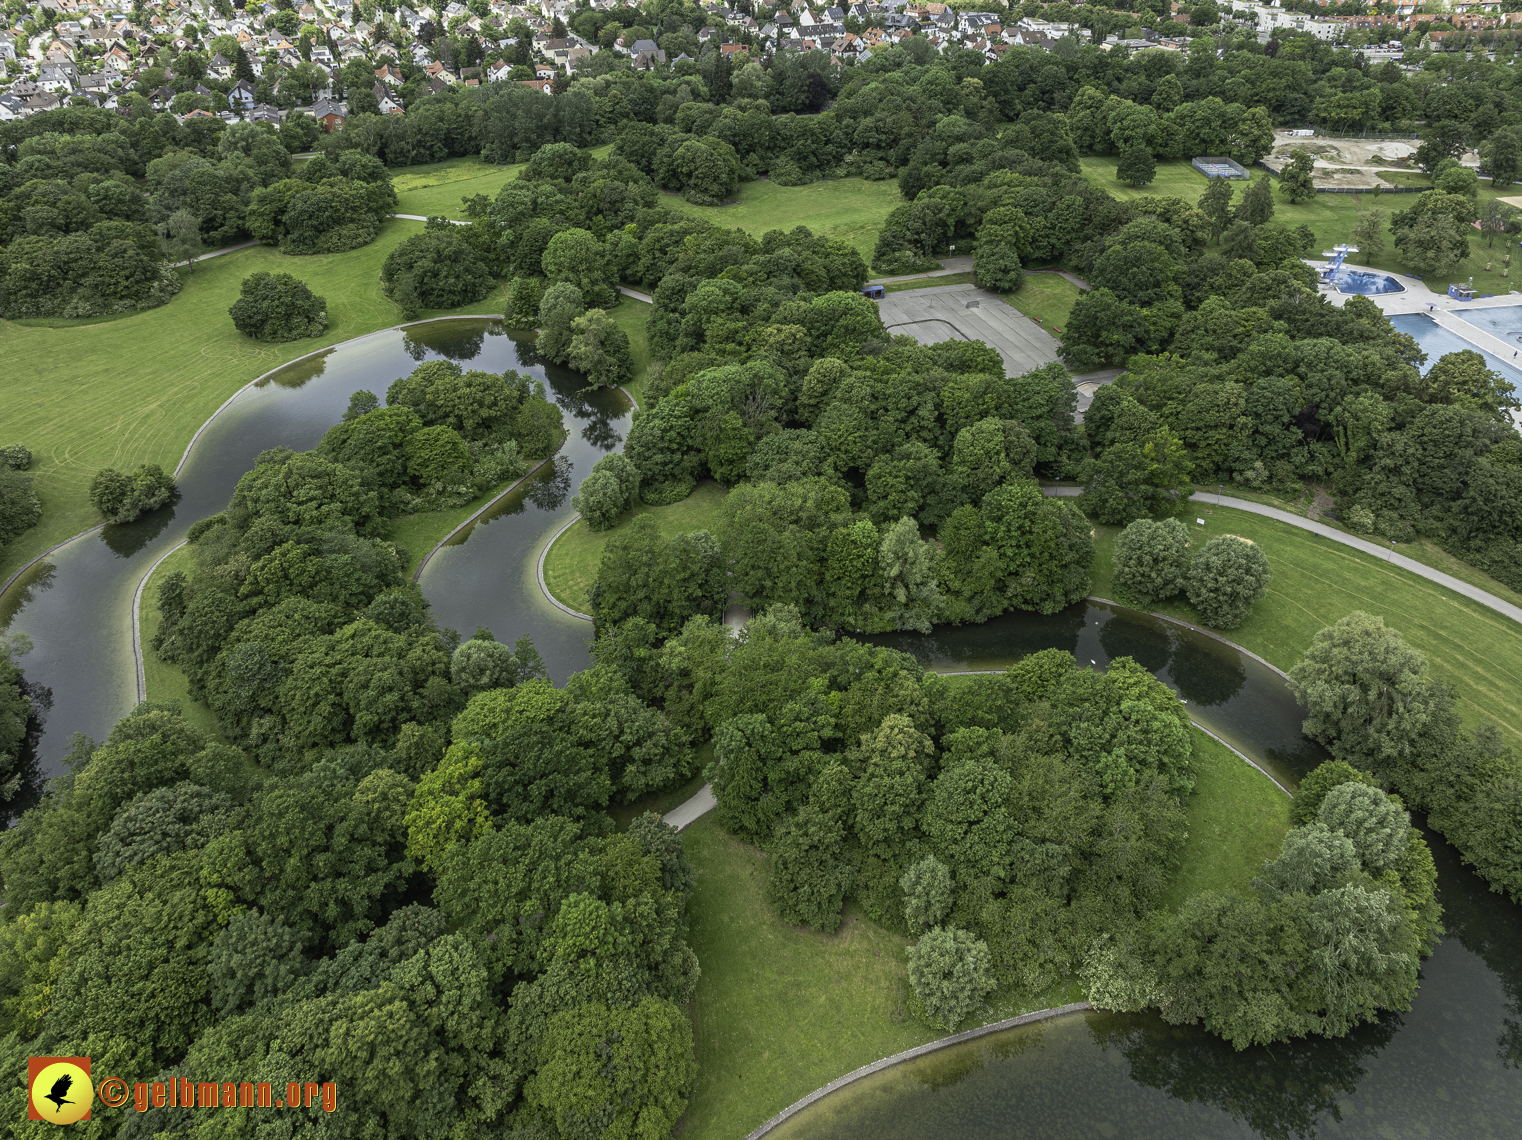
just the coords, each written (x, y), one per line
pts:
(1141, 638)
(1488, 925)
(23, 777)
(1280, 1093)
(26, 589)
(1206, 675)
(300, 372)
(126, 539)
(550, 494)
(453, 340)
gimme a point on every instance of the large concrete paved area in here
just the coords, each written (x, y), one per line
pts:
(965, 312)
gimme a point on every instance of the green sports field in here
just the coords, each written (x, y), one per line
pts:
(849, 209)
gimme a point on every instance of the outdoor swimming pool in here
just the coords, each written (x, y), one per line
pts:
(1358, 281)
(1504, 322)
(1437, 341)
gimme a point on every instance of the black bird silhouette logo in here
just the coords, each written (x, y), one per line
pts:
(60, 1091)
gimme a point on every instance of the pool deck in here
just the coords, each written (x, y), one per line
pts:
(1417, 298)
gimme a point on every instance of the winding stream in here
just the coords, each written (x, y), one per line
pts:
(76, 603)
(1451, 1067)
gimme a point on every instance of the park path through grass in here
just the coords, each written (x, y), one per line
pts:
(1474, 649)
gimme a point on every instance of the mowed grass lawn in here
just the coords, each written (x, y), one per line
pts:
(436, 188)
(1237, 819)
(167, 682)
(571, 566)
(1471, 647)
(850, 209)
(780, 1010)
(118, 393)
(1330, 216)
(1046, 297)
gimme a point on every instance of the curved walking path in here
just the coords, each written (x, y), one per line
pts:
(137, 627)
(1457, 585)
(544, 589)
(911, 1054)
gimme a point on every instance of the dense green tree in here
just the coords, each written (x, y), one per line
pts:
(610, 490)
(122, 497)
(809, 872)
(1366, 692)
(1295, 180)
(1137, 166)
(927, 893)
(950, 972)
(278, 307)
(1257, 205)
(600, 349)
(20, 508)
(1225, 578)
(437, 269)
(1371, 820)
(1151, 560)
(615, 1072)
(1321, 779)
(559, 309)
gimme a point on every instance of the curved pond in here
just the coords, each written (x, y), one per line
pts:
(76, 604)
(1231, 693)
(488, 574)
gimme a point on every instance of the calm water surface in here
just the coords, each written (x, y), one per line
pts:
(76, 604)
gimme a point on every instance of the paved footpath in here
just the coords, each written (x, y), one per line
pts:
(1379, 551)
(700, 805)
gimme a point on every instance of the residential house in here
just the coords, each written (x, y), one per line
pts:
(11, 108)
(646, 53)
(496, 71)
(544, 86)
(330, 113)
(240, 97)
(57, 77)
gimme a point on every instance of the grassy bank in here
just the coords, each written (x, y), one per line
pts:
(631, 315)
(1237, 818)
(1317, 581)
(1046, 297)
(166, 682)
(436, 188)
(1330, 216)
(849, 209)
(571, 566)
(124, 392)
(931, 282)
(781, 1010)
